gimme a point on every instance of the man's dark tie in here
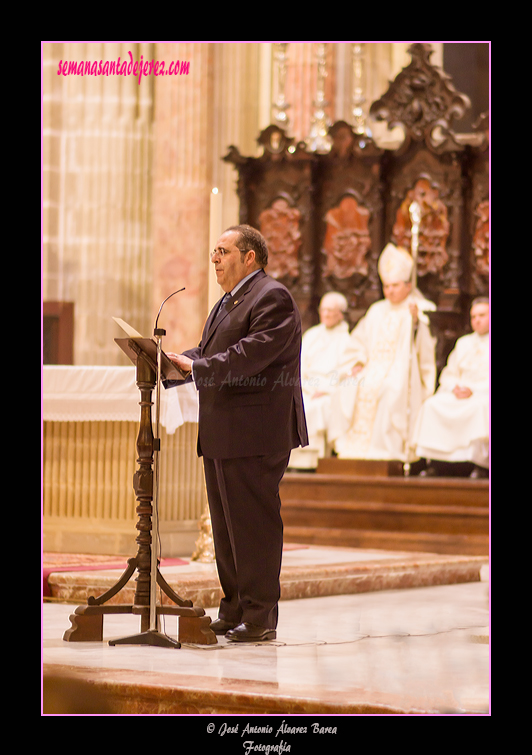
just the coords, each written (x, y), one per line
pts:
(222, 308)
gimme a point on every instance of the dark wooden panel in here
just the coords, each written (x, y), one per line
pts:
(58, 332)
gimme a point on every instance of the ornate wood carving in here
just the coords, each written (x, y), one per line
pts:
(347, 240)
(481, 240)
(434, 227)
(279, 224)
(348, 208)
(275, 192)
(479, 212)
(422, 99)
(431, 162)
(437, 183)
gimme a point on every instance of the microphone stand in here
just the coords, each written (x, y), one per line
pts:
(158, 334)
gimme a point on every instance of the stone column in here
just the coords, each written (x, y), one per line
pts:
(182, 166)
(197, 117)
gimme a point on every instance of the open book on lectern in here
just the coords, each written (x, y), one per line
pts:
(135, 344)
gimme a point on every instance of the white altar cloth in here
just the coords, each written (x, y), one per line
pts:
(94, 393)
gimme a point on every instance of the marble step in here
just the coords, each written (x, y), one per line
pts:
(344, 572)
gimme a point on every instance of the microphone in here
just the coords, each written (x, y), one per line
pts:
(161, 332)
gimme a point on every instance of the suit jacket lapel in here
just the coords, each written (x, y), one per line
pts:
(215, 318)
(212, 323)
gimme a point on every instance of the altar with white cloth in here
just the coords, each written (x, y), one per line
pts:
(90, 425)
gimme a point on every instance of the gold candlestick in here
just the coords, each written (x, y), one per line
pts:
(204, 552)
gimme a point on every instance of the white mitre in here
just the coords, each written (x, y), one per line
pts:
(395, 264)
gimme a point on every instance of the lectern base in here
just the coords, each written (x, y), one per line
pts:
(194, 625)
(151, 637)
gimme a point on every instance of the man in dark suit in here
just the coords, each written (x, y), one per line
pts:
(247, 371)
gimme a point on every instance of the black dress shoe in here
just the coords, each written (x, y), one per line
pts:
(220, 626)
(250, 633)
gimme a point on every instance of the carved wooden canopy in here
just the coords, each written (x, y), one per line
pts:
(421, 99)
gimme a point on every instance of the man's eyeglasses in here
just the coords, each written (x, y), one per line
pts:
(221, 252)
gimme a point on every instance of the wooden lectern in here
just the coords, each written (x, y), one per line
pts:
(87, 620)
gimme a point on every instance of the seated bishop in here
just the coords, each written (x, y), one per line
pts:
(387, 370)
(453, 425)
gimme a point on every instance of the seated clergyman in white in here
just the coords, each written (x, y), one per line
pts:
(387, 370)
(321, 349)
(453, 425)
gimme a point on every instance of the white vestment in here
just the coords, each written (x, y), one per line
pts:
(373, 414)
(457, 429)
(321, 351)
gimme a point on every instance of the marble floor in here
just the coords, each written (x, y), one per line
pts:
(421, 651)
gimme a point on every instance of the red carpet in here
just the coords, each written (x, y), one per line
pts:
(68, 562)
